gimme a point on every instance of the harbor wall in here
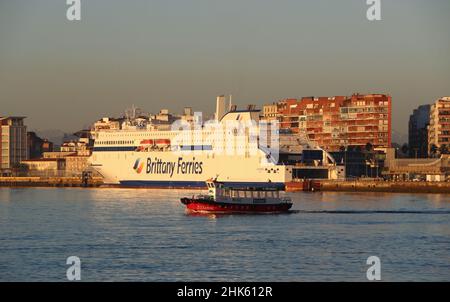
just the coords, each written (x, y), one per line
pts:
(297, 186)
(371, 186)
(50, 182)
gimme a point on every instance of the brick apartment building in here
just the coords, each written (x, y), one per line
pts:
(336, 122)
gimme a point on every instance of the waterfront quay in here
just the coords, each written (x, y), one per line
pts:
(357, 185)
(50, 182)
(364, 185)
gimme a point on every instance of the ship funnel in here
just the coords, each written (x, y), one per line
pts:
(220, 107)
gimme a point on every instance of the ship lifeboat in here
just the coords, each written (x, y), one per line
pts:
(147, 142)
(162, 142)
(222, 200)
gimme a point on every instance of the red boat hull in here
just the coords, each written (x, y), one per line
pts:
(198, 205)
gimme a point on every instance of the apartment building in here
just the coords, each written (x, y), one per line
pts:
(418, 132)
(338, 122)
(439, 128)
(13, 145)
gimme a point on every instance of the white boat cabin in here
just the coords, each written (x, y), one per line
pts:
(219, 193)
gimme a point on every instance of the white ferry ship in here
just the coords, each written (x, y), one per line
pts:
(147, 157)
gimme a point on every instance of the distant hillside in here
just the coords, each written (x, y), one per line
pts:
(55, 136)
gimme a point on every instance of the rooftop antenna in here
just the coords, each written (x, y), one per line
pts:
(132, 113)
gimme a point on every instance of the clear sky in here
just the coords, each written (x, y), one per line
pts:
(175, 53)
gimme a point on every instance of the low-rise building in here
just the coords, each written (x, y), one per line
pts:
(47, 146)
(76, 163)
(45, 166)
(57, 154)
(79, 147)
(108, 123)
(37, 146)
(72, 160)
(270, 112)
(359, 163)
(417, 169)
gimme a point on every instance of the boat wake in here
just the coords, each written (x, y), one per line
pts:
(431, 212)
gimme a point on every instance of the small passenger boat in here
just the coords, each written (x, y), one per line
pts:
(223, 199)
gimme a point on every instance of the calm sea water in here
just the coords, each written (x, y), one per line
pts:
(145, 235)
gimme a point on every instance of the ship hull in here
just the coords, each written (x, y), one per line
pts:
(174, 170)
(195, 184)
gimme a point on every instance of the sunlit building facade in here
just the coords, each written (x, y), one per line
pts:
(13, 146)
(439, 128)
(339, 122)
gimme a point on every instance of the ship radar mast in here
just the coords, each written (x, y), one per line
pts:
(131, 114)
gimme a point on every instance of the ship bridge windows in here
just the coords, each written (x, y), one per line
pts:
(121, 142)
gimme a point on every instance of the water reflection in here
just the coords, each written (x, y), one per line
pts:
(220, 215)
